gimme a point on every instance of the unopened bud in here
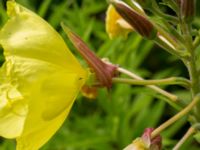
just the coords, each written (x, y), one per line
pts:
(140, 23)
(104, 72)
(187, 9)
(178, 3)
(115, 25)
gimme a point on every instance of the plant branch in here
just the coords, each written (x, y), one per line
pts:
(179, 115)
(190, 132)
(191, 65)
(166, 43)
(170, 44)
(168, 81)
(173, 98)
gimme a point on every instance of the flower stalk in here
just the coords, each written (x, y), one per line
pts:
(172, 99)
(169, 81)
(179, 115)
(191, 62)
(187, 135)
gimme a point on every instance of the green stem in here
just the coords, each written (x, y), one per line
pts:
(193, 76)
(168, 37)
(191, 65)
(190, 132)
(169, 81)
(182, 113)
(194, 84)
(174, 32)
(173, 98)
(166, 44)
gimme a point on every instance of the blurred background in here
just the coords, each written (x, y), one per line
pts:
(114, 118)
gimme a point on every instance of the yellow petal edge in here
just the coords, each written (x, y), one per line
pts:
(115, 25)
(39, 80)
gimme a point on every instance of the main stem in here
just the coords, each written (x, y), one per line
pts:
(195, 89)
(179, 115)
(190, 132)
(174, 99)
(168, 81)
(192, 68)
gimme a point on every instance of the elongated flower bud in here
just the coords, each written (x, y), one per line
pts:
(140, 23)
(178, 2)
(187, 9)
(104, 72)
(115, 25)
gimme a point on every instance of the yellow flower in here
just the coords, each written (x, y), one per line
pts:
(115, 24)
(40, 79)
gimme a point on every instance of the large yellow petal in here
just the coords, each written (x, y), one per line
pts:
(39, 80)
(38, 39)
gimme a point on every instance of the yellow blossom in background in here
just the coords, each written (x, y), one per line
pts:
(40, 79)
(115, 24)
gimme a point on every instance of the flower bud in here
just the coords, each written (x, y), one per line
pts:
(104, 72)
(140, 23)
(187, 9)
(178, 3)
(115, 25)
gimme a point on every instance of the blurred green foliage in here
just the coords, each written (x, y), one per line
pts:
(115, 118)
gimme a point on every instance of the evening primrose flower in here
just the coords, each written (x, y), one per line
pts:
(40, 79)
(115, 25)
